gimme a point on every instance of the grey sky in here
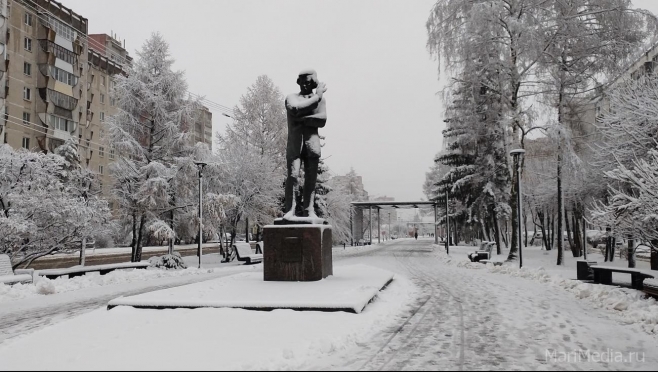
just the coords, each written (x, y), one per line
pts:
(385, 118)
(384, 114)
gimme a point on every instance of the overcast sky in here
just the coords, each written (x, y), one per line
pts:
(384, 114)
(384, 117)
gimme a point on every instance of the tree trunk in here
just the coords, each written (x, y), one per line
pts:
(631, 253)
(654, 255)
(570, 234)
(133, 242)
(560, 236)
(138, 251)
(544, 232)
(171, 223)
(577, 236)
(525, 225)
(497, 232)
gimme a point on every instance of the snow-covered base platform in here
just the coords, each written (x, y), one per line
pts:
(350, 289)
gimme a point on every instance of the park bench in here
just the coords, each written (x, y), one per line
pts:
(651, 288)
(603, 275)
(10, 276)
(584, 270)
(244, 254)
(259, 248)
(72, 272)
(484, 253)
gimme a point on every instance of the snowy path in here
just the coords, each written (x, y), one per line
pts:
(475, 320)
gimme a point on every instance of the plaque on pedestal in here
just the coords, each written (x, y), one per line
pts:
(298, 253)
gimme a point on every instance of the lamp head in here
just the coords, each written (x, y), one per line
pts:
(517, 152)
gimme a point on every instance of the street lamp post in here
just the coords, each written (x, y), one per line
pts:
(200, 249)
(518, 155)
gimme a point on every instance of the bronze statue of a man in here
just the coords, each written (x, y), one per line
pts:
(307, 111)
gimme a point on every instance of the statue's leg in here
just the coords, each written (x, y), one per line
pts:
(311, 162)
(292, 188)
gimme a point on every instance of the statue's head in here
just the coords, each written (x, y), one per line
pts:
(307, 81)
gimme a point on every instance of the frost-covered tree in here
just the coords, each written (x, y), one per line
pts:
(48, 203)
(253, 179)
(633, 205)
(149, 134)
(552, 48)
(260, 122)
(627, 156)
(260, 128)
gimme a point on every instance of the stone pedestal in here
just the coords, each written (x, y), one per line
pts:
(297, 253)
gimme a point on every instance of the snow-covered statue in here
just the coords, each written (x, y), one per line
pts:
(307, 111)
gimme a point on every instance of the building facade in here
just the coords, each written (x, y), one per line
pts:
(46, 67)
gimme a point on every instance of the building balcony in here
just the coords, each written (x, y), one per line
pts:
(58, 99)
(59, 51)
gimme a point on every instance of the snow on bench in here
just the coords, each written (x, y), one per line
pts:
(74, 271)
(8, 276)
(244, 253)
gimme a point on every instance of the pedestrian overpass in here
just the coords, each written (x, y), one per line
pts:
(358, 208)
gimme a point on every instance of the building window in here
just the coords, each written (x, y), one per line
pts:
(102, 80)
(102, 116)
(26, 143)
(100, 169)
(111, 152)
(102, 97)
(26, 118)
(61, 28)
(62, 124)
(101, 152)
(28, 19)
(63, 76)
(28, 44)
(113, 101)
(27, 69)
(27, 93)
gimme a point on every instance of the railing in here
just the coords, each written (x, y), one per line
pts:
(58, 99)
(60, 52)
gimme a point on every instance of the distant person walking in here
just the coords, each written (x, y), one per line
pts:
(416, 235)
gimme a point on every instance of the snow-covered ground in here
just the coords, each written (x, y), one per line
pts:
(44, 286)
(448, 314)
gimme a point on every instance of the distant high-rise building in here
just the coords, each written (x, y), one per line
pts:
(202, 129)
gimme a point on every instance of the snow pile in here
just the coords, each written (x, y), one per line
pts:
(45, 287)
(168, 262)
(61, 285)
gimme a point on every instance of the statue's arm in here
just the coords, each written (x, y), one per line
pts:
(300, 106)
(319, 119)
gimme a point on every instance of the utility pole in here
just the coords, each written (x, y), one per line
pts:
(200, 249)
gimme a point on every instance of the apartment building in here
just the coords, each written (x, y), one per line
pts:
(202, 128)
(58, 82)
(45, 63)
(597, 106)
(106, 57)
